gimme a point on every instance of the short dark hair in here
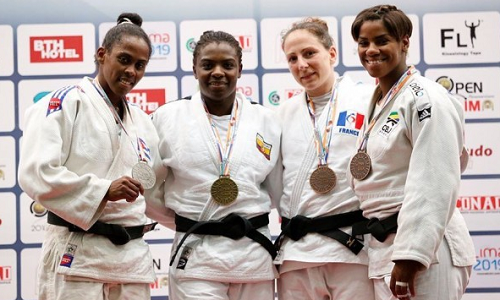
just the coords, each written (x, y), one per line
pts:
(126, 24)
(316, 27)
(395, 21)
(211, 36)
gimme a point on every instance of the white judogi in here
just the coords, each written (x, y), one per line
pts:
(415, 148)
(189, 152)
(72, 150)
(300, 159)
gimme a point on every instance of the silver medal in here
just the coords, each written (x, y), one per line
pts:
(143, 173)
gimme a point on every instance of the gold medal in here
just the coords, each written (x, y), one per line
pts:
(323, 179)
(360, 165)
(224, 190)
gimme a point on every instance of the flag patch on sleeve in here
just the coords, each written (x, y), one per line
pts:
(263, 147)
(56, 102)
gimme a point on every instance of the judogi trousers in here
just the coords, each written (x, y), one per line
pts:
(339, 281)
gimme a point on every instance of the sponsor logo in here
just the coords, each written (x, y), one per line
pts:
(417, 90)
(49, 49)
(191, 44)
(391, 122)
(66, 260)
(147, 99)
(5, 274)
(161, 282)
(446, 82)
(450, 38)
(245, 90)
(37, 209)
(487, 261)
(424, 113)
(246, 42)
(161, 45)
(289, 93)
(350, 122)
(71, 249)
(476, 105)
(274, 98)
(54, 105)
(478, 203)
(183, 260)
(459, 87)
(263, 147)
(480, 151)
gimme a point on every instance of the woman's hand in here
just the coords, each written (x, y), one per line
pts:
(403, 278)
(124, 187)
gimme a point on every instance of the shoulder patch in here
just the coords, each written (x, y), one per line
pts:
(416, 89)
(56, 102)
(424, 113)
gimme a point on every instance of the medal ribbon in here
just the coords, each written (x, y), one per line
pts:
(225, 152)
(323, 141)
(143, 150)
(393, 92)
(141, 145)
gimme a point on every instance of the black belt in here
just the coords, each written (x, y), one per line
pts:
(117, 234)
(299, 226)
(232, 226)
(379, 229)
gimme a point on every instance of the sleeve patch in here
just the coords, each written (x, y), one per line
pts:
(424, 113)
(55, 103)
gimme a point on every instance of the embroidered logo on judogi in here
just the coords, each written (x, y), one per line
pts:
(67, 258)
(350, 122)
(391, 122)
(424, 113)
(263, 147)
(184, 258)
(55, 103)
(416, 89)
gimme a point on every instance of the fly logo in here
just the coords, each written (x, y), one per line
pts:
(147, 99)
(49, 49)
(5, 274)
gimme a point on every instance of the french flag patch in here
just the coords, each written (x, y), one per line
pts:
(350, 119)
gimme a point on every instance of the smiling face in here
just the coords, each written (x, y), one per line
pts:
(122, 67)
(310, 63)
(217, 69)
(382, 55)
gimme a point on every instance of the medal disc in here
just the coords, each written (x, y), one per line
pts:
(360, 165)
(224, 190)
(323, 179)
(143, 173)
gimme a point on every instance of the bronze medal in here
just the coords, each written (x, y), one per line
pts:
(360, 165)
(323, 179)
(224, 190)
